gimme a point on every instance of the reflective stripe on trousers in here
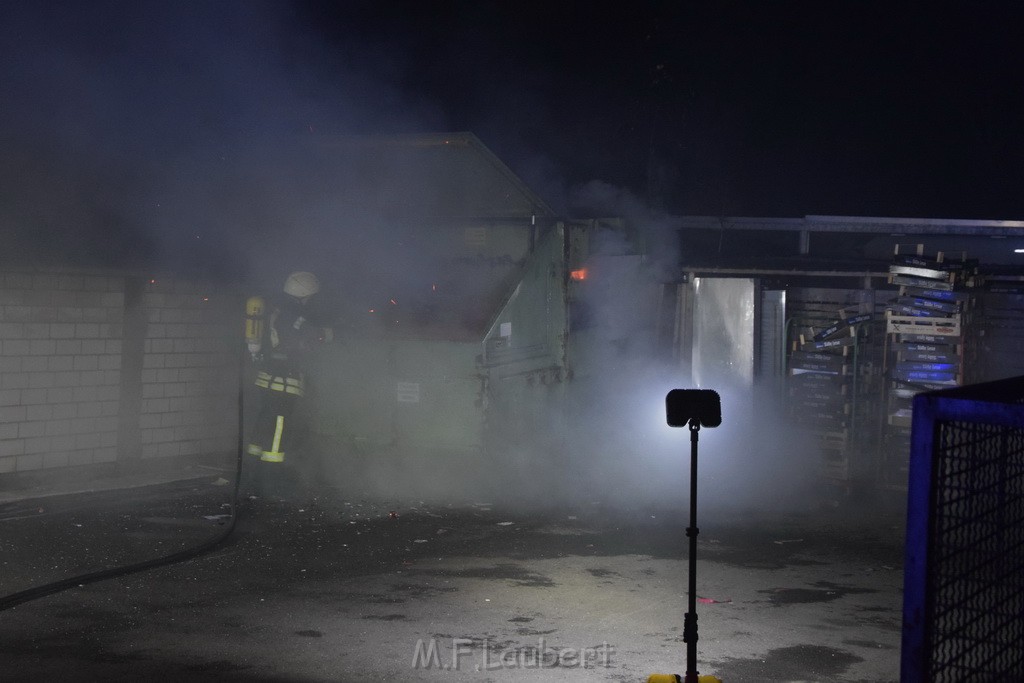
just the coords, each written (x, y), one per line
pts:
(275, 454)
(289, 385)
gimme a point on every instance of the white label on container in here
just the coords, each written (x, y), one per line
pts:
(408, 392)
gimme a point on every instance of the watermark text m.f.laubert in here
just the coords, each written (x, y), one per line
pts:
(486, 656)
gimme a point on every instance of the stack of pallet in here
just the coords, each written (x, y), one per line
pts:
(823, 372)
(926, 328)
(1000, 331)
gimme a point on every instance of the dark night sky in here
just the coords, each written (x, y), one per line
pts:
(756, 108)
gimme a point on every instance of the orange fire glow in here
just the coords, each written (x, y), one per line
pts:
(578, 275)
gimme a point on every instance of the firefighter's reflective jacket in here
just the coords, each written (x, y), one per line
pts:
(279, 336)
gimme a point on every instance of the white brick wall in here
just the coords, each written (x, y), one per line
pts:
(190, 371)
(48, 378)
(61, 344)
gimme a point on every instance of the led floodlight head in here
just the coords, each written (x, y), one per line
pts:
(702, 405)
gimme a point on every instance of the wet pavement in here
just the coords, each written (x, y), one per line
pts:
(334, 588)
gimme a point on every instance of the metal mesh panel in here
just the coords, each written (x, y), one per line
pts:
(976, 568)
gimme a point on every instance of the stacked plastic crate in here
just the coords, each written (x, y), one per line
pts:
(823, 373)
(926, 332)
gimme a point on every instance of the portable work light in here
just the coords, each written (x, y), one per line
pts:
(702, 405)
(696, 408)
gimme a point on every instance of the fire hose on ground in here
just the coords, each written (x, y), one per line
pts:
(41, 591)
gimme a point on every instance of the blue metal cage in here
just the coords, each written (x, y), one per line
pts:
(963, 605)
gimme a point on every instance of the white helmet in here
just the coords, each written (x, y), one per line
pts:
(301, 285)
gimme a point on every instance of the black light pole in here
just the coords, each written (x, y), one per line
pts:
(690, 620)
(693, 408)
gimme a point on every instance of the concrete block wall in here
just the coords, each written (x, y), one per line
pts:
(190, 370)
(108, 367)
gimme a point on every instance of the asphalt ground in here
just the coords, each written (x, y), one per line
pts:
(326, 586)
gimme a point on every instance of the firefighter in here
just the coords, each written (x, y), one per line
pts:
(279, 335)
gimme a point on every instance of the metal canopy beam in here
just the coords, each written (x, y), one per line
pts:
(857, 224)
(699, 271)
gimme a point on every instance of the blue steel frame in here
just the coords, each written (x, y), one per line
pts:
(999, 404)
